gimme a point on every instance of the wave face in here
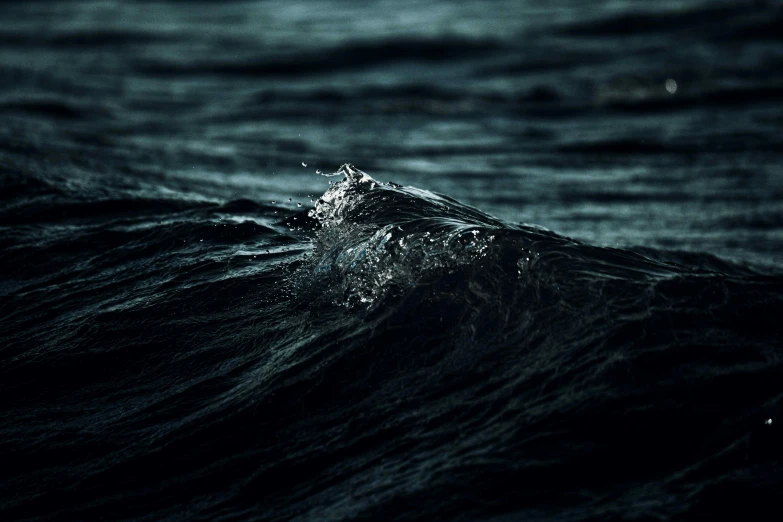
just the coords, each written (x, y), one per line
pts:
(389, 353)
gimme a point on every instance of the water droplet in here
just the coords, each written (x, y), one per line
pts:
(768, 422)
(304, 164)
(298, 204)
(671, 86)
(289, 200)
(318, 171)
(273, 201)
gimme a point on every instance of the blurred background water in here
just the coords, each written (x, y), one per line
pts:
(552, 114)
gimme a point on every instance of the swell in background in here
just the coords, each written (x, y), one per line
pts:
(557, 115)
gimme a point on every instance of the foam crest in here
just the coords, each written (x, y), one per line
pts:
(380, 239)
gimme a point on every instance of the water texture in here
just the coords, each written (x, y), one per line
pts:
(543, 283)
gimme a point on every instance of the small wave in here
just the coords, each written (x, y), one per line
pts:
(399, 325)
(83, 38)
(705, 20)
(60, 109)
(356, 55)
(374, 240)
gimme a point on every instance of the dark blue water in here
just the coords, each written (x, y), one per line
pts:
(545, 283)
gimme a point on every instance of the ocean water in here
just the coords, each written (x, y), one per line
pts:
(377, 260)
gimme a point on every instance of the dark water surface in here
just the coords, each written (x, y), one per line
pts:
(195, 325)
